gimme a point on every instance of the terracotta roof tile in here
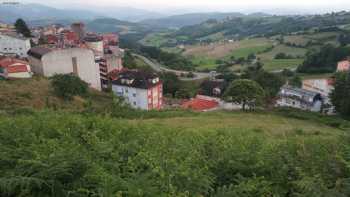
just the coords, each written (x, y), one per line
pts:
(198, 104)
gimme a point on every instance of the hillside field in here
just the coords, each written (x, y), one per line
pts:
(51, 147)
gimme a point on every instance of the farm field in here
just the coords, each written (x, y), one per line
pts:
(293, 51)
(155, 39)
(280, 64)
(303, 40)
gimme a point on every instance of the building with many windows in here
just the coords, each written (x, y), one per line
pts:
(13, 44)
(139, 89)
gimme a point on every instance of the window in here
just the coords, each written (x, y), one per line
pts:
(135, 103)
(126, 90)
(134, 95)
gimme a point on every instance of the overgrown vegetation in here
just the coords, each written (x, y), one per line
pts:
(59, 154)
(325, 60)
(341, 93)
(68, 85)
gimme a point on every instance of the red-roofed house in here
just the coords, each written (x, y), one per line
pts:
(110, 39)
(15, 68)
(343, 66)
(201, 103)
(51, 39)
(70, 37)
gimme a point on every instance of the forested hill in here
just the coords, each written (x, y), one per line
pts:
(273, 25)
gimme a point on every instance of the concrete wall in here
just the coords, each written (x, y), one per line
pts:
(61, 62)
(113, 62)
(18, 46)
(36, 65)
(97, 46)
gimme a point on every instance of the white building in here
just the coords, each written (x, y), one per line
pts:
(140, 90)
(14, 44)
(300, 99)
(48, 62)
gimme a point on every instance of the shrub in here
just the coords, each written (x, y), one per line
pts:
(68, 85)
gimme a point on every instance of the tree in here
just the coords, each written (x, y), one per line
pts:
(171, 83)
(341, 93)
(323, 61)
(296, 81)
(129, 60)
(245, 92)
(22, 28)
(68, 85)
(270, 82)
(281, 56)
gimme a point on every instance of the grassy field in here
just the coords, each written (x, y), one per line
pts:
(268, 123)
(204, 63)
(293, 51)
(37, 93)
(155, 39)
(273, 65)
(323, 37)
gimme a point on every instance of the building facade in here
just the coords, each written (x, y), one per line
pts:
(343, 66)
(300, 99)
(78, 61)
(79, 29)
(321, 86)
(13, 44)
(140, 90)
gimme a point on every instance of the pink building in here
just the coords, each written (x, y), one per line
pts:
(343, 66)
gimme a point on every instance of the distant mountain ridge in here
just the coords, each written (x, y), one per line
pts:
(36, 12)
(178, 21)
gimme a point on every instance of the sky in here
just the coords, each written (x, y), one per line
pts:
(316, 6)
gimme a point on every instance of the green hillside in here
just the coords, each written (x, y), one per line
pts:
(215, 154)
(92, 146)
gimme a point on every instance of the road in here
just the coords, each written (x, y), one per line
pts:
(159, 68)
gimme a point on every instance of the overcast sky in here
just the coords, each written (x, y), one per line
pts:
(207, 5)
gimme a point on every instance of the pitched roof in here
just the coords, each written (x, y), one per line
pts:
(38, 52)
(7, 61)
(137, 79)
(198, 104)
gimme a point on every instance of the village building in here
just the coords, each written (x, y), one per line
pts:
(14, 68)
(14, 44)
(300, 99)
(343, 66)
(68, 38)
(79, 61)
(95, 43)
(110, 39)
(322, 86)
(79, 29)
(139, 89)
